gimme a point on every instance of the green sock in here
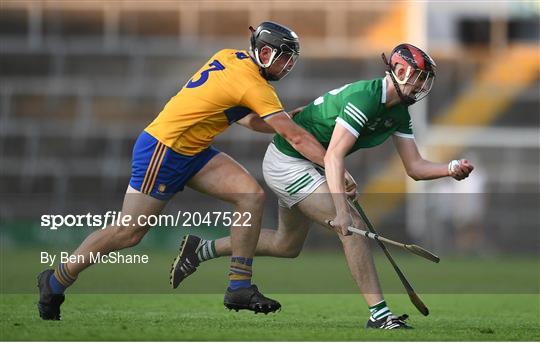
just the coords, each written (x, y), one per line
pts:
(379, 310)
(206, 250)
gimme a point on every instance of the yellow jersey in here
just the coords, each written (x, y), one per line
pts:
(224, 90)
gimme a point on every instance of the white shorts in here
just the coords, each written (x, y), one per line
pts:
(291, 178)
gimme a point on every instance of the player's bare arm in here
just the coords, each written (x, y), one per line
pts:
(300, 139)
(341, 142)
(254, 122)
(420, 169)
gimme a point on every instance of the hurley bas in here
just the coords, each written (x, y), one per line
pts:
(111, 258)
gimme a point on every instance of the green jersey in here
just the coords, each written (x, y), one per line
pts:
(360, 108)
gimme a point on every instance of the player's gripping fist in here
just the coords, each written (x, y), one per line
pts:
(341, 223)
(459, 169)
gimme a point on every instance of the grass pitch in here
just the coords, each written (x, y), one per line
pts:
(469, 299)
(313, 317)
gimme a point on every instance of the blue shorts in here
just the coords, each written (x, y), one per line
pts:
(159, 171)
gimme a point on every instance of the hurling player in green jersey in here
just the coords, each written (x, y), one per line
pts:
(355, 116)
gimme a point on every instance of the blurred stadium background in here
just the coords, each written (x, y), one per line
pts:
(81, 79)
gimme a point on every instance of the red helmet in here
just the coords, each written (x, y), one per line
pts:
(420, 71)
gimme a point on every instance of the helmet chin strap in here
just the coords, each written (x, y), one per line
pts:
(264, 66)
(270, 59)
(405, 99)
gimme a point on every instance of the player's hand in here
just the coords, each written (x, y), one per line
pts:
(460, 169)
(341, 224)
(350, 186)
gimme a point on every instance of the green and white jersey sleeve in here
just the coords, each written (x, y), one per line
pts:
(405, 130)
(357, 109)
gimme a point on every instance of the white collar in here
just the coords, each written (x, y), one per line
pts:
(383, 93)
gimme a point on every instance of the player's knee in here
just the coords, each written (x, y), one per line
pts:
(127, 237)
(289, 250)
(135, 238)
(252, 197)
(292, 253)
(259, 196)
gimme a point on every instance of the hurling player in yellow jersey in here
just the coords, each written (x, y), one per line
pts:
(175, 150)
